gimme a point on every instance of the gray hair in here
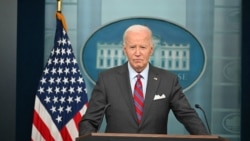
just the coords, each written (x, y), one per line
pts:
(137, 27)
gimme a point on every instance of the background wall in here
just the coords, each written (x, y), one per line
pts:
(25, 56)
(8, 35)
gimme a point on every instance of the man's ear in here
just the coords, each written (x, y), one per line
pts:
(152, 51)
(124, 50)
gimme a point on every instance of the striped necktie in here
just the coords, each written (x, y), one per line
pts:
(138, 98)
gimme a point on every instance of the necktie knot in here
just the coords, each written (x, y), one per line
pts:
(138, 82)
(138, 76)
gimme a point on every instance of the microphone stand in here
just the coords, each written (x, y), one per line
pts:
(204, 114)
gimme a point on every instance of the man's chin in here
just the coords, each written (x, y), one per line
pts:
(138, 68)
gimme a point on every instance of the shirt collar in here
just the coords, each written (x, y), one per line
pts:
(133, 73)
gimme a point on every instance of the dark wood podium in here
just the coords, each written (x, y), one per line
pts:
(147, 137)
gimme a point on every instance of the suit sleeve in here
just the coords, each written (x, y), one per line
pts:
(95, 111)
(184, 112)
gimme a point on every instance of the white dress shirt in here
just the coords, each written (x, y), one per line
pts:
(133, 78)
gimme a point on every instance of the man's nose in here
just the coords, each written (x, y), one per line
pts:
(137, 51)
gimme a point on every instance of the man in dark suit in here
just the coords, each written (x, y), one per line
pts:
(158, 91)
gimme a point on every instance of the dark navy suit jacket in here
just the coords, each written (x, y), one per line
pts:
(113, 95)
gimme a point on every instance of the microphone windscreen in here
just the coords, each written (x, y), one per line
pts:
(197, 106)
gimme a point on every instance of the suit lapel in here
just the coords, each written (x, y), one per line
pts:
(126, 89)
(153, 82)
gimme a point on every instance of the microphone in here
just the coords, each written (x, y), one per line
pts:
(204, 114)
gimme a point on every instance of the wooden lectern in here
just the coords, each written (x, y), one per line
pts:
(147, 137)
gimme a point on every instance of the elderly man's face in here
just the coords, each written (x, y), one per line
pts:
(138, 48)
